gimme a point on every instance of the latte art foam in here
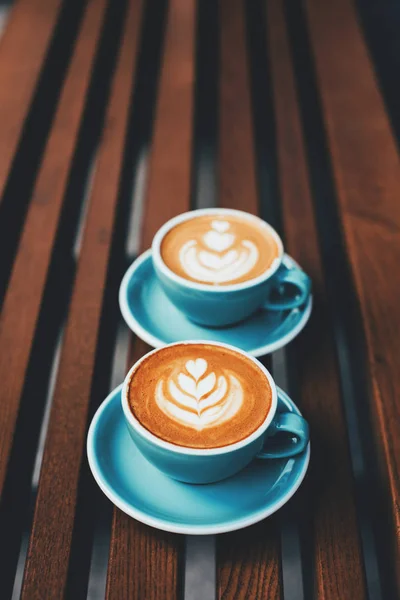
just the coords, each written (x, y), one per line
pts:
(198, 398)
(219, 250)
(199, 395)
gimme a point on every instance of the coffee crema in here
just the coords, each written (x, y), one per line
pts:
(219, 249)
(199, 395)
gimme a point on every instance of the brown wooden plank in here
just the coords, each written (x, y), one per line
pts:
(367, 176)
(49, 549)
(248, 561)
(332, 513)
(236, 161)
(170, 173)
(144, 561)
(22, 51)
(19, 317)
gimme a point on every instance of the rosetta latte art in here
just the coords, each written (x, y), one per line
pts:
(197, 398)
(219, 257)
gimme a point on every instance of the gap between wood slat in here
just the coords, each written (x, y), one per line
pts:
(200, 576)
(134, 242)
(22, 50)
(366, 168)
(102, 532)
(333, 517)
(206, 106)
(144, 561)
(4, 16)
(247, 560)
(366, 172)
(34, 134)
(85, 205)
(381, 22)
(270, 210)
(141, 124)
(18, 317)
(49, 550)
(29, 329)
(199, 563)
(35, 477)
(292, 568)
(337, 306)
(128, 227)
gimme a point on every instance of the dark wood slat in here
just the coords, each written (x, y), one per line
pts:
(367, 176)
(248, 564)
(144, 561)
(149, 553)
(19, 316)
(49, 549)
(170, 169)
(22, 50)
(237, 177)
(248, 561)
(332, 513)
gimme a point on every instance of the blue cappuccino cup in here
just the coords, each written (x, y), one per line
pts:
(279, 435)
(277, 288)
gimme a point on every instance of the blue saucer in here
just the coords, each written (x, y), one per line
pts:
(156, 320)
(143, 492)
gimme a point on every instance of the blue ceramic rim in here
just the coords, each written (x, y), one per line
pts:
(156, 342)
(165, 525)
(153, 439)
(192, 285)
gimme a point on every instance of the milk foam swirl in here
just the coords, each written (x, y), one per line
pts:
(197, 398)
(219, 256)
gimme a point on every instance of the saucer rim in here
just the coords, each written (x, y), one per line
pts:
(164, 524)
(156, 342)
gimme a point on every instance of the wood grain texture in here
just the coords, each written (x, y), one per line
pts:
(367, 176)
(143, 561)
(236, 160)
(19, 317)
(22, 50)
(171, 152)
(332, 514)
(248, 561)
(49, 548)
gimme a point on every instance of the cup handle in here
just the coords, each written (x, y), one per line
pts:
(290, 289)
(287, 435)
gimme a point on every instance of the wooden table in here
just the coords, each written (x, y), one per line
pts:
(115, 116)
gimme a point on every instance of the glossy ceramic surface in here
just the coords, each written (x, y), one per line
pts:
(279, 287)
(157, 321)
(145, 493)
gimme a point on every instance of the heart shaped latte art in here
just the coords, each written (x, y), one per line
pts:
(220, 226)
(213, 267)
(196, 368)
(196, 397)
(219, 242)
(215, 261)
